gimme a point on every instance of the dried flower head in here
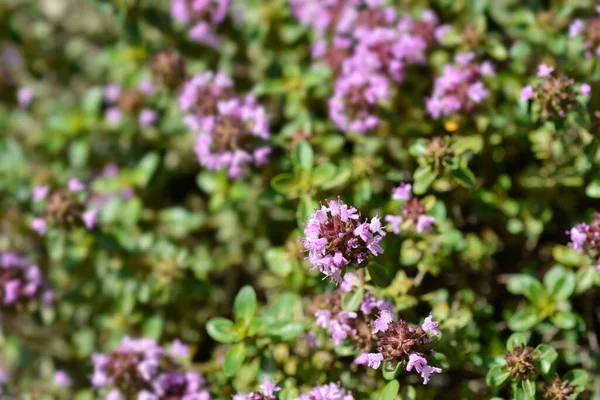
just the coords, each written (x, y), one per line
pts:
(520, 363)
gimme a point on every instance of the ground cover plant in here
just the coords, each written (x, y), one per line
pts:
(299, 199)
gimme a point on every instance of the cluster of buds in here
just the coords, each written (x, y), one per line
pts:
(589, 30)
(168, 69)
(21, 283)
(333, 391)
(553, 96)
(520, 363)
(367, 46)
(586, 239)
(353, 326)
(460, 87)
(413, 212)
(268, 390)
(63, 208)
(131, 103)
(559, 390)
(231, 129)
(141, 369)
(203, 16)
(336, 237)
(398, 342)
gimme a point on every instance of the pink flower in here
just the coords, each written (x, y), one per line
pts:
(402, 192)
(394, 222)
(179, 349)
(428, 371)
(430, 326)
(416, 361)
(544, 70)
(61, 379)
(382, 322)
(39, 225)
(40, 193)
(526, 93)
(75, 185)
(147, 117)
(269, 388)
(585, 89)
(374, 360)
(576, 28)
(90, 218)
(25, 96)
(425, 223)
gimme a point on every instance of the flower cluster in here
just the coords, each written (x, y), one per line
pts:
(520, 363)
(553, 96)
(141, 369)
(230, 128)
(460, 87)
(400, 342)
(131, 103)
(413, 212)
(589, 30)
(368, 46)
(268, 393)
(586, 239)
(353, 325)
(331, 391)
(203, 16)
(21, 282)
(63, 208)
(335, 237)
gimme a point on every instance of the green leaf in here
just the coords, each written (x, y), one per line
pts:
(464, 176)
(392, 370)
(234, 358)
(146, 168)
(560, 283)
(528, 387)
(286, 184)
(528, 286)
(593, 189)
(222, 330)
(577, 378)
(516, 340)
(279, 261)
(496, 376)
(351, 300)
(244, 306)
(586, 277)
(153, 327)
(523, 319)
(378, 274)
(546, 357)
(305, 208)
(564, 319)
(323, 174)
(285, 330)
(390, 391)
(303, 156)
(423, 178)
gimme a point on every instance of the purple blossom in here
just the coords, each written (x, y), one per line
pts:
(430, 326)
(113, 115)
(25, 96)
(394, 222)
(417, 362)
(331, 391)
(334, 237)
(39, 225)
(526, 93)
(382, 322)
(576, 28)
(374, 360)
(402, 192)
(179, 349)
(90, 218)
(75, 185)
(20, 282)
(585, 89)
(40, 193)
(112, 93)
(428, 371)
(62, 379)
(425, 223)
(203, 16)
(147, 117)
(544, 70)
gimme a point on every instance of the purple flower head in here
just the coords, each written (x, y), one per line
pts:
(40, 193)
(417, 362)
(544, 71)
(179, 349)
(374, 360)
(585, 89)
(113, 115)
(402, 192)
(75, 185)
(20, 282)
(460, 88)
(25, 96)
(147, 117)
(39, 225)
(142, 367)
(228, 139)
(383, 321)
(331, 391)
(430, 326)
(112, 93)
(394, 222)
(269, 388)
(576, 28)
(526, 93)
(425, 223)
(335, 237)
(203, 16)
(90, 218)
(62, 379)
